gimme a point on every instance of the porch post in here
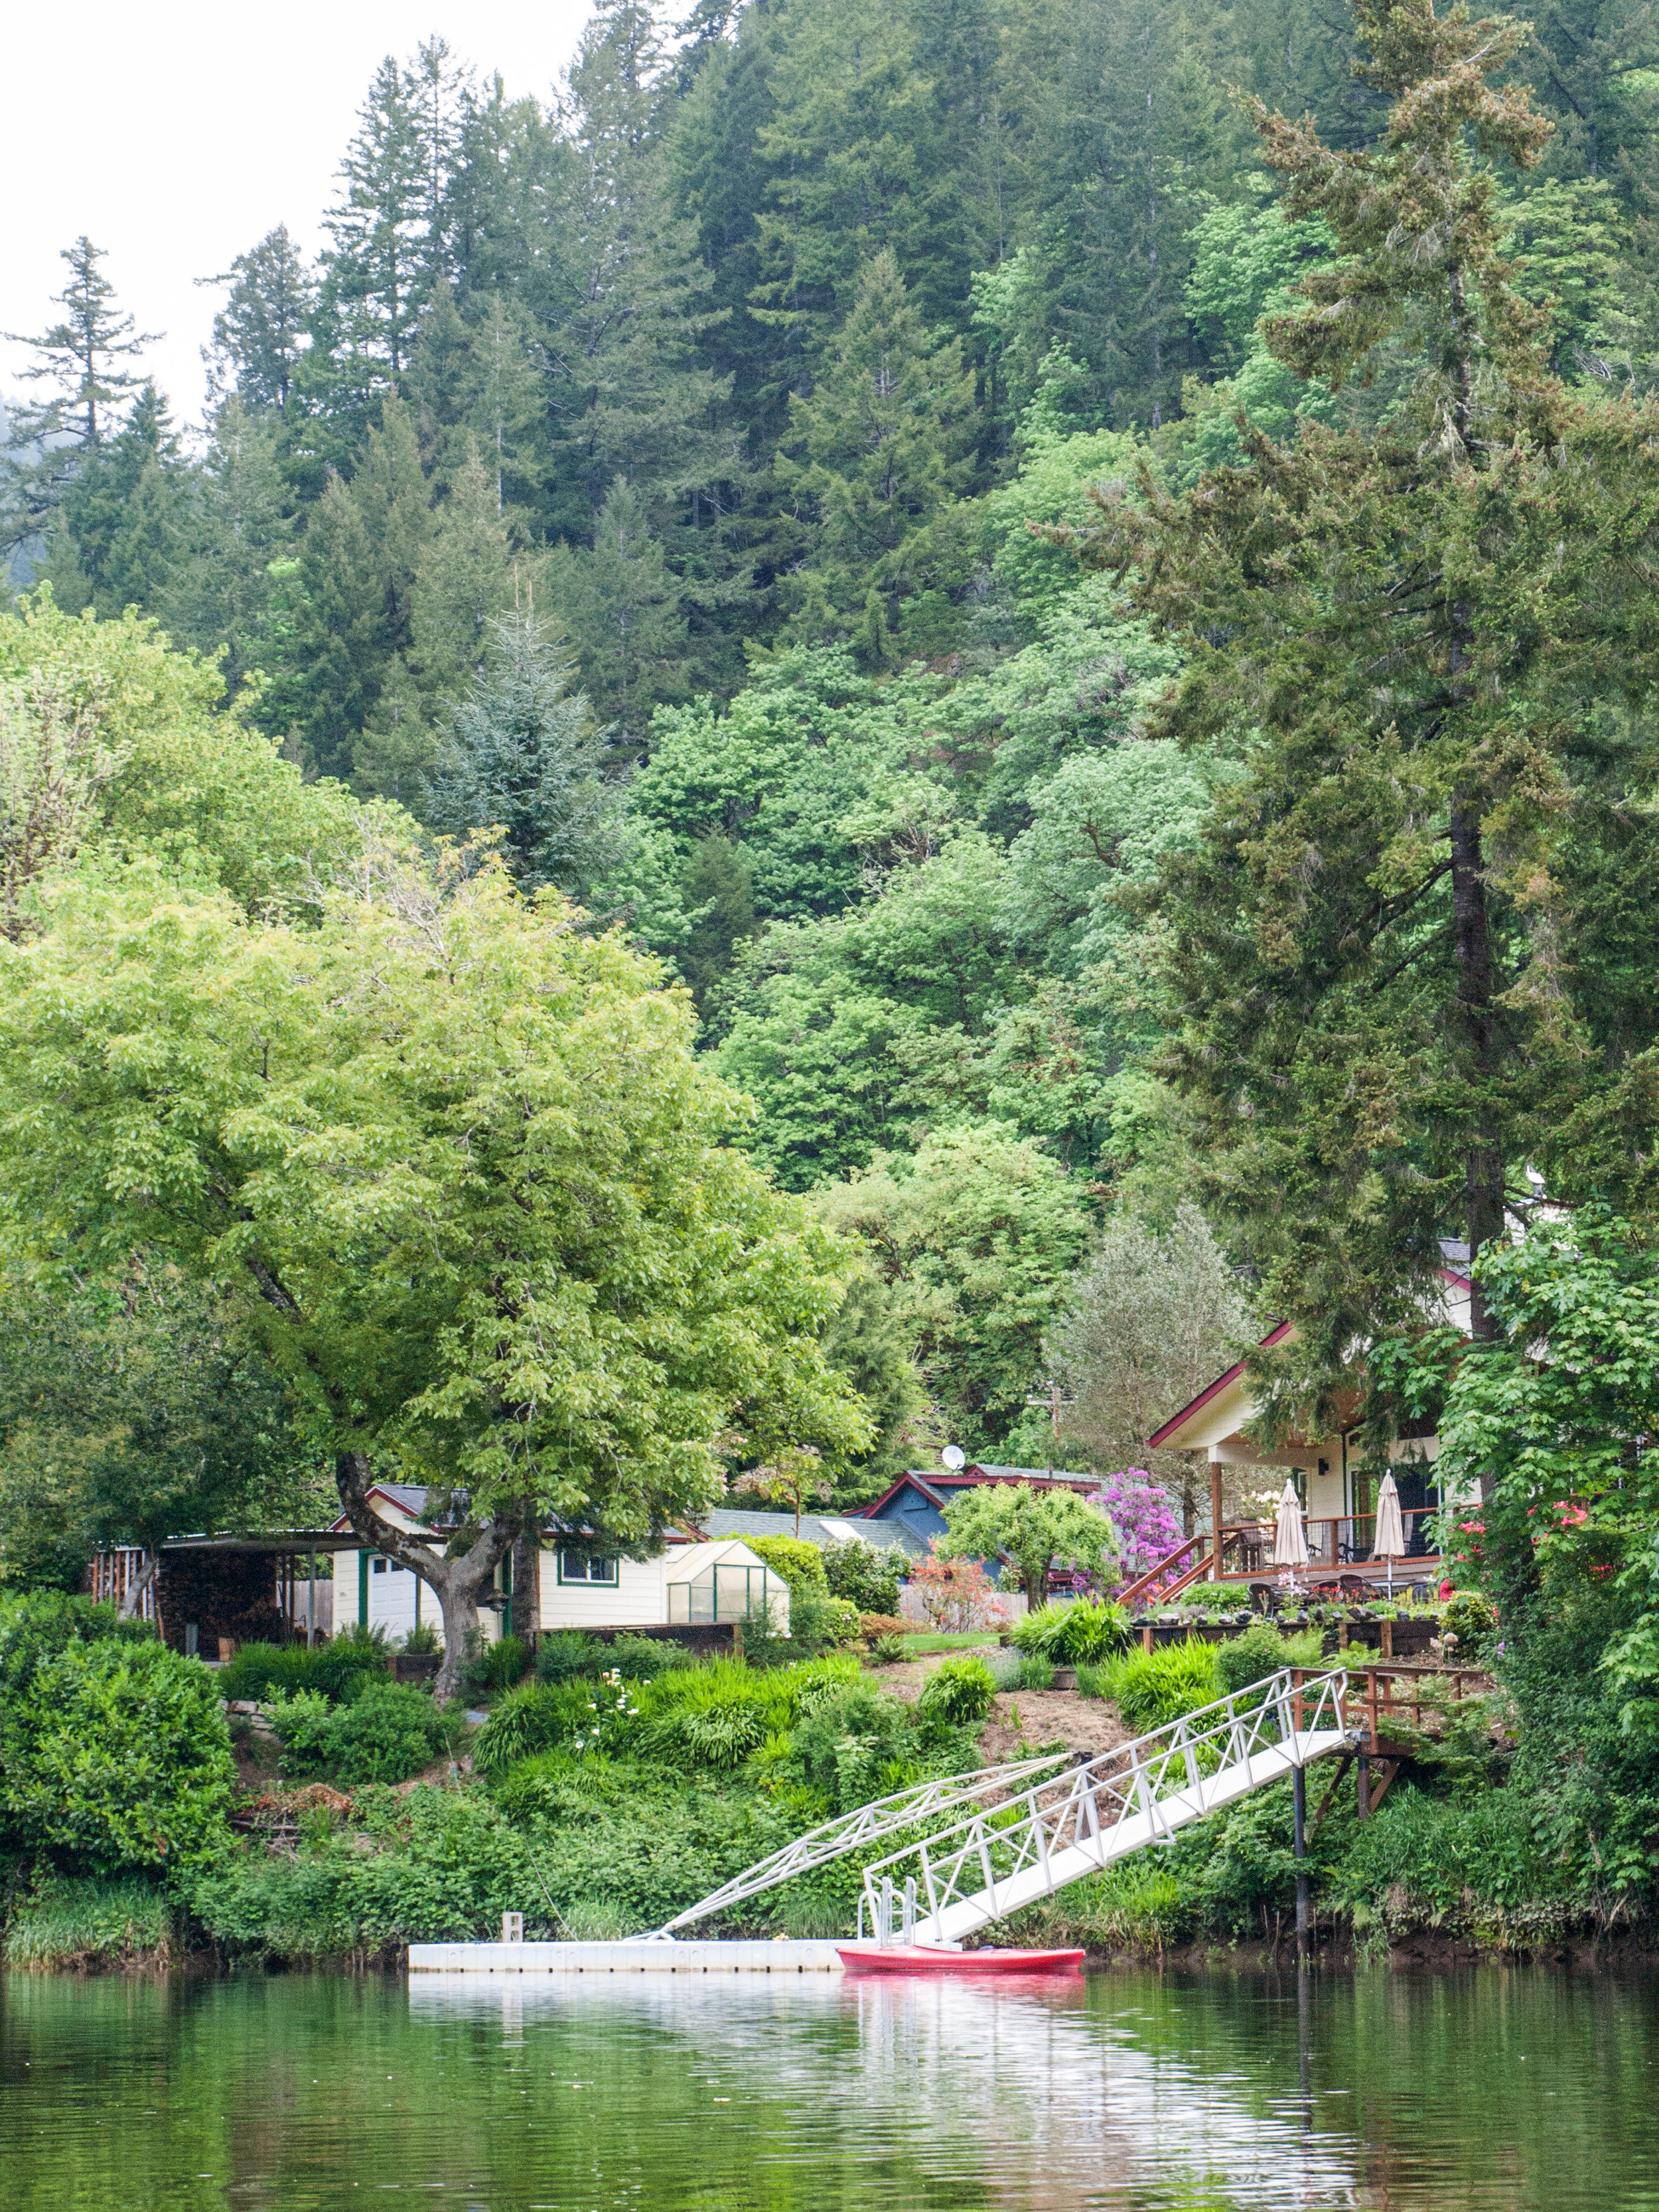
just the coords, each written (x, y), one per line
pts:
(1215, 1520)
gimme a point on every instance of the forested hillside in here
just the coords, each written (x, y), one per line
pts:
(651, 476)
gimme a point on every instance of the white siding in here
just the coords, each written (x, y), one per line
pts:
(637, 1599)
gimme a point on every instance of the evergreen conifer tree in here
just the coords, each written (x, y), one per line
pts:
(629, 299)
(236, 526)
(261, 331)
(121, 526)
(85, 355)
(520, 754)
(881, 444)
(465, 576)
(359, 562)
(620, 605)
(1404, 960)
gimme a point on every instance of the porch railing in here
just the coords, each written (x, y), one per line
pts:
(1334, 1541)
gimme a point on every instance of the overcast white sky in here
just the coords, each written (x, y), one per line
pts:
(176, 135)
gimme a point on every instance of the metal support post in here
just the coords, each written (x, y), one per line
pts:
(1299, 1796)
(1364, 1765)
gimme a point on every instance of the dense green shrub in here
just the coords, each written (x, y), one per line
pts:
(491, 1668)
(801, 1564)
(37, 1624)
(857, 1745)
(957, 1692)
(1473, 1619)
(434, 1865)
(866, 1575)
(388, 1731)
(259, 1669)
(1252, 1658)
(1078, 1632)
(642, 1658)
(567, 1653)
(114, 1754)
(1153, 1687)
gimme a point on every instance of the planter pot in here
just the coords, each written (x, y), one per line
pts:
(414, 1666)
(1065, 1679)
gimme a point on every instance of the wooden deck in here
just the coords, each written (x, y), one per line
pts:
(1338, 1549)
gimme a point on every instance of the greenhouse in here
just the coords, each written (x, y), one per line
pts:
(725, 1581)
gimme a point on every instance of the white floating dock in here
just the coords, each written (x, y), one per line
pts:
(714, 1958)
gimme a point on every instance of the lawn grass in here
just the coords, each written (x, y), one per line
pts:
(919, 1647)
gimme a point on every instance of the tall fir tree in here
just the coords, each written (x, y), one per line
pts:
(359, 562)
(520, 754)
(236, 529)
(262, 329)
(620, 605)
(879, 448)
(85, 360)
(1403, 961)
(120, 529)
(628, 298)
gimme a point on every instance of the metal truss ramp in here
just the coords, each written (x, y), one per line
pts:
(988, 1864)
(978, 1846)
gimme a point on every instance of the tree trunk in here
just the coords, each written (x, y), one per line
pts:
(128, 1608)
(456, 1583)
(1483, 1165)
(527, 1576)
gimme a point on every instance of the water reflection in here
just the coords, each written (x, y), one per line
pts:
(1036, 2094)
(1489, 2091)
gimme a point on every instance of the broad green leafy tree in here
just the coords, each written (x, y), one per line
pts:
(453, 1165)
(1038, 1529)
(976, 1232)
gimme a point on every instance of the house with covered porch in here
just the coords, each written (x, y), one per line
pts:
(1336, 1482)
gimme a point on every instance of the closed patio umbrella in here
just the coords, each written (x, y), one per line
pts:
(1290, 1539)
(1390, 1543)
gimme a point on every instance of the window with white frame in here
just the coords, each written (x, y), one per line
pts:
(586, 1567)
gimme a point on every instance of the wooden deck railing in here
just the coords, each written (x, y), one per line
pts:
(1335, 1542)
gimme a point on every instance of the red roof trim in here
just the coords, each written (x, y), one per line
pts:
(377, 1490)
(961, 1478)
(1273, 1336)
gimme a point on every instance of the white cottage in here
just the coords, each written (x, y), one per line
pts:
(687, 1584)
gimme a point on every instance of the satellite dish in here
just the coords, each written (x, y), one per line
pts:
(954, 1456)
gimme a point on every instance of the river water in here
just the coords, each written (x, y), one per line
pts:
(1164, 2092)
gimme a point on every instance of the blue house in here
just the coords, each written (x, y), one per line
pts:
(917, 1502)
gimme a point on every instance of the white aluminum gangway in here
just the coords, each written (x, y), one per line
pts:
(868, 1823)
(989, 1863)
(1012, 1834)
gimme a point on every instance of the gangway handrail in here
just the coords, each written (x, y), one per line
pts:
(867, 1824)
(1068, 1825)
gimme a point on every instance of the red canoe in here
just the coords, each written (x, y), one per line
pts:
(918, 1959)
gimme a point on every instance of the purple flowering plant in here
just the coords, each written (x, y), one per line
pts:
(1145, 1519)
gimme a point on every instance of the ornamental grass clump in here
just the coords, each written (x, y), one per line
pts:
(716, 1716)
(958, 1691)
(1082, 1633)
(328, 1669)
(1152, 1688)
(535, 1716)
